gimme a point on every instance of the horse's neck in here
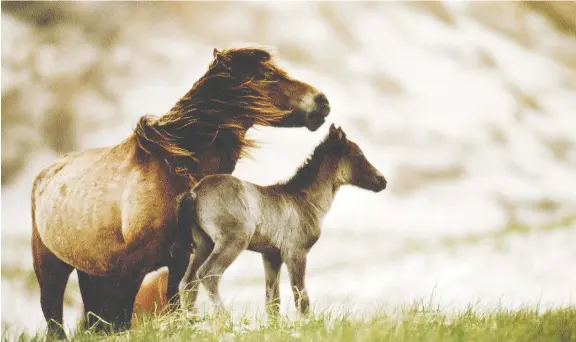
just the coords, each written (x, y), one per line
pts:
(218, 155)
(221, 156)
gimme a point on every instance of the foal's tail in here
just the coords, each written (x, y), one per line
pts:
(186, 218)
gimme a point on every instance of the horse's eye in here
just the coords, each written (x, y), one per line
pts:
(269, 76)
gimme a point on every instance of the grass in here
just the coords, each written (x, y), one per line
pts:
(418, 322)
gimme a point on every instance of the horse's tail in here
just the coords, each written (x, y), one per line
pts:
(186, 218)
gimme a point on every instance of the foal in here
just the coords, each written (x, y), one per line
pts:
(282, 221)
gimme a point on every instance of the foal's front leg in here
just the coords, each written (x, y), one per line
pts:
(296, 263)
(272, 265)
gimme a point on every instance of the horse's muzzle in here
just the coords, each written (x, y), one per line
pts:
(380, 184)
(317, 117)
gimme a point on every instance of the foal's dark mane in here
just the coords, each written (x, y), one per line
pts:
(308, 171)
(216, 112)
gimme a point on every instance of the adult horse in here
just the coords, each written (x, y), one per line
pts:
(110, 213)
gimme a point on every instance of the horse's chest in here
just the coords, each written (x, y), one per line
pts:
(217, 160)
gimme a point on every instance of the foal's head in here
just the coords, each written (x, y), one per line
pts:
(299, 104)
(350, 164)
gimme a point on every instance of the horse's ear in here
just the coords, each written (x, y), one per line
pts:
(262, 55)
(218, 57)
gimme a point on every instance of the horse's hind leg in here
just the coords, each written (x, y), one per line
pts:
(52, 274)
(224, 253)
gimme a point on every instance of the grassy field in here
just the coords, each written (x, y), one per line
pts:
(414, 323)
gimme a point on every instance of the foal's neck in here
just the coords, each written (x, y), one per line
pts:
(321, 191)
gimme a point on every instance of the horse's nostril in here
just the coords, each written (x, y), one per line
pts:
(322, 100)
(383, 182)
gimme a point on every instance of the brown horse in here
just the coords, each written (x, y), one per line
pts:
(110, 213)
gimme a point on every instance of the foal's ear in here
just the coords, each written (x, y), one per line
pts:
(332, 130)
(215, 53)
(337, 133)
(341, 134)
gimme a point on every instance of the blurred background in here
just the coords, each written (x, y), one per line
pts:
(469, 109)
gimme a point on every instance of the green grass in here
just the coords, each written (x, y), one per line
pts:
(414, 323)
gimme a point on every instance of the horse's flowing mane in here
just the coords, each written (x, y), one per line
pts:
(217, 111)
(308, 171)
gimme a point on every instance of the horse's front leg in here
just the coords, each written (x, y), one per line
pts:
(111, 301)
(177, 266)
(122, 293)
(272, 265)
(296, 263)
(93, 297)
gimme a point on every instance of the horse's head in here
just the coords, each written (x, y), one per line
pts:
(353, 167)
(296, 104)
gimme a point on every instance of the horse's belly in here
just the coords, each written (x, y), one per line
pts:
(102, 253)
(94, 243)
(81, 225)
(82, 241)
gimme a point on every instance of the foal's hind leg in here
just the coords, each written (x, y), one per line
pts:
(52, 274)
(191, 282)
(224, 253)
